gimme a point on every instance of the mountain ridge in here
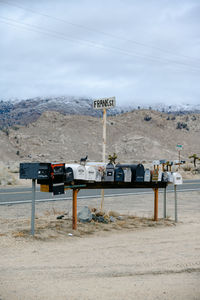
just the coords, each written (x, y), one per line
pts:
(22, 112)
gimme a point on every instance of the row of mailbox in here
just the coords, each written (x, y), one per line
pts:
(94, 172)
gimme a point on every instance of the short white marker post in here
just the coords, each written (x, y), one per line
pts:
(175, 204)
(33, 208)
(165, 204)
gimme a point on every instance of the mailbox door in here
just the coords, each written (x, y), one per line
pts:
(177, 178)
(155, 175)
(147, 175)
(91, 173)
(109, 173)
(164, 177)
(80, 173)
(69, 174)
(127, 174)
(119, 174)
(139, 173)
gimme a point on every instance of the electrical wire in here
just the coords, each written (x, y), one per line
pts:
(99, 31)
(59, 35)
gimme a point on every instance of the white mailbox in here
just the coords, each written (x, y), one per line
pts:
(100, 168)
(156, 163)
(147, 175)
(127, 174)
(79, 171)
(90, 173)
(177, 178)
(170, 177)
(160, 173)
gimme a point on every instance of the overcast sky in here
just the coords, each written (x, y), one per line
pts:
(139, 51)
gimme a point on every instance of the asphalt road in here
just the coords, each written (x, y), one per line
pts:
(19, 195)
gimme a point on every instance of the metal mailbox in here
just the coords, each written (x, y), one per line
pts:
(137, 171)
(147, 175)
(156, 162)
(155, 174)
(79, 171)
(35, 170)
(69, 174)
(109, 173)
(91, 173)
(170, 177)
(160, 173)
(58, 172)
(127, 174)
(164, 177)
(100, 168)
(177, 178)
(119, 174)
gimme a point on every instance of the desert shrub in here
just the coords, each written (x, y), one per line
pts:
(187, 167)
(182, 125)
(194, 118)
(147, 118)
(173, 118)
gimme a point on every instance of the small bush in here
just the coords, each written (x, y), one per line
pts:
(147, 118)
(181, 125)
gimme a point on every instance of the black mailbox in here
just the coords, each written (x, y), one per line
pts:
(119, 174)
(35, 171)
(69, 174)
(58, 172)
(137, 171)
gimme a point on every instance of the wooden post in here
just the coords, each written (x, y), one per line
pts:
(103, 153)
(74, 209)
(104, 136)
(156, 204)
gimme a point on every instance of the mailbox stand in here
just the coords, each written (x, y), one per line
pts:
(33, 208)
(74, 209)
(156, 204)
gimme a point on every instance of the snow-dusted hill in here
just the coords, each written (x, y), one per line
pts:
(17, 111)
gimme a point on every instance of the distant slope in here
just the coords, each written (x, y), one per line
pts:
(141, 135)
(23, 112)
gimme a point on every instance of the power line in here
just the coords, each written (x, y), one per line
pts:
(58, 35)
(98, 31)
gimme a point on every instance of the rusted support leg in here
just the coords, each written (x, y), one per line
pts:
(156, 204)
(74, 209)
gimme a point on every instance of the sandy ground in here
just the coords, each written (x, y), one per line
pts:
(134, 258)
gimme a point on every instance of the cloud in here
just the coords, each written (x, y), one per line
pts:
(147, 50)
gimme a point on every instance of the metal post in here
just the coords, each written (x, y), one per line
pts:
(165, 204)
(33, 208)
(74, 209)
(175, 204)
(156, 204)
(104, 152)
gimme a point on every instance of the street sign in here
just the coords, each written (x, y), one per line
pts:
(104, 103)
(179, 147)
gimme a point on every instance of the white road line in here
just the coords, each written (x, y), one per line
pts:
(93, 196)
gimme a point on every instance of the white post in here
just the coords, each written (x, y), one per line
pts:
(104, 136)
(175, 204)
(165, 204)
(104, 152)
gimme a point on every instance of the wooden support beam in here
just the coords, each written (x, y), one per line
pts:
(74, 209)
(156, 204)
